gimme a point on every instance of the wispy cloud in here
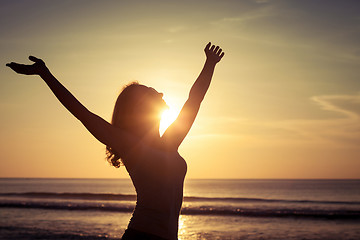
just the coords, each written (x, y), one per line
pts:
(249, 15)
(342, 131)
(261, 1)
(337, 131)
(176, 29)
(277, 24)
(348, 105)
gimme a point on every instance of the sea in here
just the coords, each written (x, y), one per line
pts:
(33, 208)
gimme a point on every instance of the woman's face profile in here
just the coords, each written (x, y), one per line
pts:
(156, 98)
(153, 103)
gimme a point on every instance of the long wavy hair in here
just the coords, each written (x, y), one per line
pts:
(123, 117)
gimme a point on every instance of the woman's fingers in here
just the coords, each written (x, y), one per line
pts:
(12, 65)
(222, 54)
(213, 53)
(212, 48)
(32, 69)
(208, 46)
(16, 67)
(35, 59)
(21, 68)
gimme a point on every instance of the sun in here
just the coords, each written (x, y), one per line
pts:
(167, 118)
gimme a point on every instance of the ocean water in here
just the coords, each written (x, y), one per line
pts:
(212, 209)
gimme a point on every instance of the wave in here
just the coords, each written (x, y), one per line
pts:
(132, 197)
(252, 207)
(21, 232)
(329, 214)
(269, 200)
(82, 196)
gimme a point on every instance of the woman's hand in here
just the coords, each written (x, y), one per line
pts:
(213, 54)
(35, 69)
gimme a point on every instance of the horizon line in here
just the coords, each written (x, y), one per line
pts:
(88, 178)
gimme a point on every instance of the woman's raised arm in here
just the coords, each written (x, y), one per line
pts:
(98, 127)
(177, 131)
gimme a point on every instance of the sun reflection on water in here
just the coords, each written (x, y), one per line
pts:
(182, 227)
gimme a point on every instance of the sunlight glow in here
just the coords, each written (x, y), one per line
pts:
(167, 118)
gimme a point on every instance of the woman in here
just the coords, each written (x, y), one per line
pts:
(132, 139)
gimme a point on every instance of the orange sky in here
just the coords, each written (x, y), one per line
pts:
(284, 101)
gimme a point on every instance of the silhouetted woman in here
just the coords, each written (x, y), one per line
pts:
(132, 139)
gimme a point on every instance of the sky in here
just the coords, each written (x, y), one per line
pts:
(284, 101)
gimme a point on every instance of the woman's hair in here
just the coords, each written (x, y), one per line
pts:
(123, 117)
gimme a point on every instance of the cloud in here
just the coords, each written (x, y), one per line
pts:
(343, 131)
(261, 1)
(176, 29)
(248, 15)
(327, 31)
(348, 105)
(330, 132)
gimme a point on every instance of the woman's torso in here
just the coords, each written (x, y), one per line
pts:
(158, 177)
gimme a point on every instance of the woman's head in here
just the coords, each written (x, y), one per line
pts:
(137, 110)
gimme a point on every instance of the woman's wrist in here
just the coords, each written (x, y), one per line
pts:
(210, 62)
(45, 73)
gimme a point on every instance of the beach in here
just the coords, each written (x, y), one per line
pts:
(212, 209)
